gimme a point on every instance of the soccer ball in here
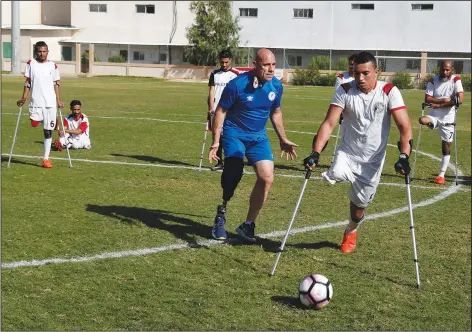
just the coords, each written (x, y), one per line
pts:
(315, 291)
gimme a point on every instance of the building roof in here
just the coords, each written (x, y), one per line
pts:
(41, 27)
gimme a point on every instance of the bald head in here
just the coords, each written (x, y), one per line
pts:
(446, 69)
(264, 64)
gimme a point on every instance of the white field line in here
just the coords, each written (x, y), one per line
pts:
(147, 251)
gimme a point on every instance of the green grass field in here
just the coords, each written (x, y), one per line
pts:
(122, 240)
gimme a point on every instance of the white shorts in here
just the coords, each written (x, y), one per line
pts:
(364, 177)
(47, 115)
(76, 141)
(445, 127)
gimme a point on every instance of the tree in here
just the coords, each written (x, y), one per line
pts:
(214, 29)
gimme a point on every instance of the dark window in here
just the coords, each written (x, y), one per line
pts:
(362, 6)
(97, 8)
(148, 9)
(422, 6)
(248, 12)
(138, 56)
(303, 13)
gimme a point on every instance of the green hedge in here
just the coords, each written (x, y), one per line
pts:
(116, 58)
(402, 80)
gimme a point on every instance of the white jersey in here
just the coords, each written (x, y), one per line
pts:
(82, 124)
(219, 78)
(342, 78)
(444, 89)
(42, 76)
(366, 123)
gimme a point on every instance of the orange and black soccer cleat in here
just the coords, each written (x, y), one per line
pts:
(47, 163)
(349, 242)
(440, 180)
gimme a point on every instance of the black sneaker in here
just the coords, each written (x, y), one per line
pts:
(246, 231)
(217, 167)
(218, 232)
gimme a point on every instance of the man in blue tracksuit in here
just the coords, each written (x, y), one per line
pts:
(245, 106)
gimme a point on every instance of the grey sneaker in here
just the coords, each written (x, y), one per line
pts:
(218, 232)
(217, 167)
(246, 231)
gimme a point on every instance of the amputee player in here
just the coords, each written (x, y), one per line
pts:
(368, 106)
(77, 129)
(246, 104)
(42, 79)
(346, 76)
(217, 82)
(441, 93)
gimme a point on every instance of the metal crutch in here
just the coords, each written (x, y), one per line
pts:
(14, 136)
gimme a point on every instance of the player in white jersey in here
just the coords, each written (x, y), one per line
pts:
(217, 82)
(368, 106)
(42, 79)
(346, 76)
(441, 93)
(77, 129)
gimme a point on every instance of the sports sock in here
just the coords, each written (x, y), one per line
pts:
(444, 162)
(352, 226)
(47, 147)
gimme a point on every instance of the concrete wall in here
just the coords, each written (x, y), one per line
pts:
(30, 12)
(66, 68)
(56, 12)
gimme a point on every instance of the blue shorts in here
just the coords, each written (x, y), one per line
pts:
(255, 146)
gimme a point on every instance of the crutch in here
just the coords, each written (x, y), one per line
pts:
(307, 176)
(64, 135)
(337, 136)
(412, 228)
(14, 136)
(455, 132)
(423, 105)
(207, 128)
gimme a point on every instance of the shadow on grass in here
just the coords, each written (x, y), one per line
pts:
(16, 161)
(152, 159)
(464, 180)
(293, 302)
(183, 228)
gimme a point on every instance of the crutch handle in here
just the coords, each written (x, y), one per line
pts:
(308, 174)
(423, 105)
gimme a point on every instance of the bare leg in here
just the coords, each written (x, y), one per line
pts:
(265, 177)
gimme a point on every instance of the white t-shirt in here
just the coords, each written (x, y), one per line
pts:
(82, 124)
(342, 78)
(366, 123)
(448, 89)
(42, 76)
(219, 78)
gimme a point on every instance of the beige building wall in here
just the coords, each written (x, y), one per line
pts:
(56, 12)
(30, 12)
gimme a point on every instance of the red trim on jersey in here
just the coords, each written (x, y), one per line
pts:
(456, 78)
(340, 75)
(66, 123)
(55, 66)
(346, 86)
(234, 70)
(29, 61)
(83, 126)
(428, 95)
(387, 88)
(398, 108)
(459, 93)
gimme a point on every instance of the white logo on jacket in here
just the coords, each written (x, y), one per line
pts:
(271, 95)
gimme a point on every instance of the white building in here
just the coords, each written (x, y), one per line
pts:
(400, 33)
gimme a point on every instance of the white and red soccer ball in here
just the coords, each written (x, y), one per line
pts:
(315, 291)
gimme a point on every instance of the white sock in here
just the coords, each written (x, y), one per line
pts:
(444, 163)
(47, 147)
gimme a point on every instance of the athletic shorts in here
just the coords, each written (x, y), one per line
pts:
(47, 115)
(444, 125)
(255, 147)
(364, 177)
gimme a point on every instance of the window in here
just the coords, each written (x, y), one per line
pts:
(138, 56)
(97, 8)
(421, 6)
(162, 57)
(7, 50)
(294, 60)
(362, 6)
(458, 67)
(124, 54)
(303, 13)
(248, 12)
(148, 9)
(66, 54)
(413, 64)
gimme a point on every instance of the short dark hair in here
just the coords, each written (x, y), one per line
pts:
(75, 102)
(39, 44)
(225, 54)
(365, 57)
(352, 57)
